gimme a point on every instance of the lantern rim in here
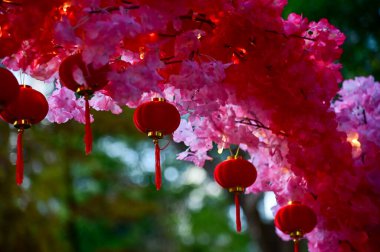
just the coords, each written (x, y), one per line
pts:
(296, 235)
(158, 99)
(234, 157)
(84, 91)
(155, 134)
(22, 124)
(238, 189)
(293, 202)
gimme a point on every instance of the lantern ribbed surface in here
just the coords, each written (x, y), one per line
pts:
(295, 217)
(9, 87)
(30, 105)
(157, 115)
(235, 172)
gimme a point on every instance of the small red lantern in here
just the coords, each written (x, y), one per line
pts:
(93, 80)
(295, 219)
(9, 88)
(235, 174)
(29, 108)
(157, 118)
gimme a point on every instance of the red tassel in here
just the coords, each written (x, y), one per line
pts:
(88, 131)
(20, 159)
(158, 165)
(296, 245)
(237, 209)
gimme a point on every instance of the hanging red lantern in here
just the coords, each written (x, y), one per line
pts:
(9, 87)
(29, 108)
(235, 174)
(296, 220)
(93, 80)
(157, 118)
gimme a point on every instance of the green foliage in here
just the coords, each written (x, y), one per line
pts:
(359, 21)
(107, 201)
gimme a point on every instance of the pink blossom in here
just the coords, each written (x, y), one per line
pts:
(103, 102)
(127, 87)
(198, 158)
(63, 106)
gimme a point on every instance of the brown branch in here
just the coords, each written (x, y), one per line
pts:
(258, 125)
(364, 116)
(205, 21)
(291, 36)
(253, 122)
(165, 35)
(112, 9)
(362, 157)
(198, 18)
(172, 62)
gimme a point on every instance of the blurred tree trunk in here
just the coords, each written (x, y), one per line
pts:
(262, 233)
(10, 214)
(5, 188)
(71, 229)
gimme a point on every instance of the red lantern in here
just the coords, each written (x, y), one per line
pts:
(9, 88)
(157, 118)
(295, 219)
(235, 174)
(93, 80)
(29, 108)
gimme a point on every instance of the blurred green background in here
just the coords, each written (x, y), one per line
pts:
(107, 202)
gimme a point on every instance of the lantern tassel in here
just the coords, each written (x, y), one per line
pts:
(296, 245)
(158, 165)
(88, 131)
(237, 209)
(20, 159)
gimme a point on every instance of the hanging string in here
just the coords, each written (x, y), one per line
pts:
(237, 152)
(237, 209)
(166, 145)
(231, 152)
(296, 245)
(20, 159)
(158, 179)
(88, 131)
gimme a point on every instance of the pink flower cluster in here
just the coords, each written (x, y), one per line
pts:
(358, 113)
(239, 74)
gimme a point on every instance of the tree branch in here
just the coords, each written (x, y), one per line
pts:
(258, 125)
